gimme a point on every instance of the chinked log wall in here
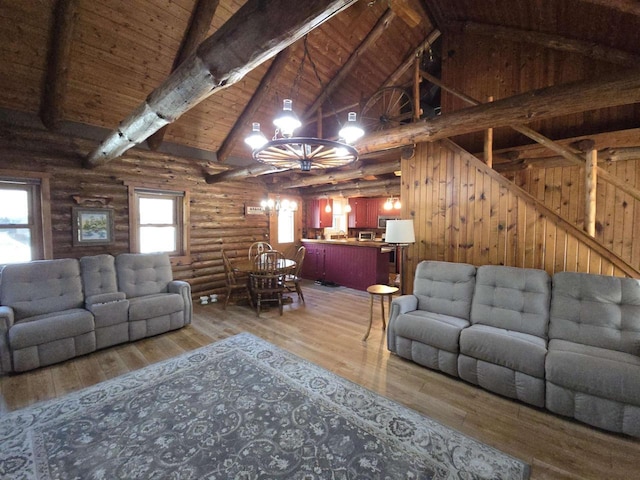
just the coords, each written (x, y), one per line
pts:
(216, 211)
(465, 212)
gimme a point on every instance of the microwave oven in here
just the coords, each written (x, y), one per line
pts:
(366, 236)
(382, 220)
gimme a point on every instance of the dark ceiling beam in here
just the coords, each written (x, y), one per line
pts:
(254, 170)
(54, 92)
(541, 104)
(556, 42)
(199, 25)
(342, 175)
(253, 35)
(408, 62)
(359, 185)
(371, 38)
(250, 110)
(624, 6)
(387, 188)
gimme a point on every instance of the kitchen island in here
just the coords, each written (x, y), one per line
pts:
(349, 262)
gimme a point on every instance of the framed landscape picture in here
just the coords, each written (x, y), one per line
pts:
(92, 226)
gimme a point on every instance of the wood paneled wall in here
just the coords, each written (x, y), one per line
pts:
(562, 189)
(216, 211)
(464, 211)
(481, 66)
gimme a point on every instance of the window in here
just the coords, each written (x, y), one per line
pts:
(286, 226)
(158, 219)
(21, 220)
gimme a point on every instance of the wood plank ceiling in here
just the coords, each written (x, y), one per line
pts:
(121, 50)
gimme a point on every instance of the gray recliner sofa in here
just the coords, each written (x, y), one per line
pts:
(593, 364)
(54, 310)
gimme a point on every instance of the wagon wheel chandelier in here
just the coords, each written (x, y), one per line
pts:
(287, 151)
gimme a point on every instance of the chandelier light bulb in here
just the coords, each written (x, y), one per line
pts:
(351, 131)
(388, 205)
(397, 205)
(287, 121)
(256, 138)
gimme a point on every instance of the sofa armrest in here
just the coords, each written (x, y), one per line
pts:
(183, 288)
(103, 298)
(399, 305)
(6, 322)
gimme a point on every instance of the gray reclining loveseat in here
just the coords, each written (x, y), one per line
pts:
(53, 310)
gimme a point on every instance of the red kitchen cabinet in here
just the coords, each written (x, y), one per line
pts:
(364, 212)
(317, 217)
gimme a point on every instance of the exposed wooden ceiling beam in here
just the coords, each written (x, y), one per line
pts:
(199, 25)
(371, 38)
(342, 175)
(275, 69)
(55, 84)
(625, 6)
(357, 185)
(411, 12)
(565, 99)
(253, 170)
(589, 49)
(391, 187)
(254, 34)
(395, 77)
(562, 150)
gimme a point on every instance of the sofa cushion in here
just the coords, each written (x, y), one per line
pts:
(50, 327)
(512, 298)
(517, 351)
(150, 306)
(596, 310)
(98, 275)
(445, 287)
(143, 274)
(596, 371)
(437, 330)
(41, 287)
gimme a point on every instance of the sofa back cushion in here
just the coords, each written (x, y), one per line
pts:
(512, 298)
(41, 287)
(596, 310)
(98, 274)
(445, 287)
(143, 273)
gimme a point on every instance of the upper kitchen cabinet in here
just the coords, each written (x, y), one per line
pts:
(364, 212)
(317, 215)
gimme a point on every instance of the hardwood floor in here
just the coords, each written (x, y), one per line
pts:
(328, 332)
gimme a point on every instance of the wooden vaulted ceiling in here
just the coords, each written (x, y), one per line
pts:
(116, 52)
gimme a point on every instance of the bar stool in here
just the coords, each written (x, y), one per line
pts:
(382, 291)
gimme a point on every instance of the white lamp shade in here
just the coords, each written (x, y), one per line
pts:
(399, 231)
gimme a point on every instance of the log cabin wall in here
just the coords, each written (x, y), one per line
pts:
(562, 189)
(464, 211)
(217, 217)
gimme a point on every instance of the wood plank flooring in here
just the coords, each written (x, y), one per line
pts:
(328, 332)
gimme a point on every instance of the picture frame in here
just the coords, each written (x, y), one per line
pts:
(92, 226)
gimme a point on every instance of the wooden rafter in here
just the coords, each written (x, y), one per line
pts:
(254, 170)
(375, 33)
(55, 85)
(408, 62)
(625, 6)
(275, 69)
(565, 99)
(201, 18)
(253, 35)
(343, 175)
(547, 40)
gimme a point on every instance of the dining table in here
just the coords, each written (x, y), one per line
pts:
(250, 266)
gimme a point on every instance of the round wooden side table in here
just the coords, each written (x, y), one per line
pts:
(382, 291)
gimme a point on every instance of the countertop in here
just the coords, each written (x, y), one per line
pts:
(348, 241)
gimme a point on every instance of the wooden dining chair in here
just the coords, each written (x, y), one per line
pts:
(292, 279)
(269, 261)
(234, 283)
(257, 248)
(267, 286)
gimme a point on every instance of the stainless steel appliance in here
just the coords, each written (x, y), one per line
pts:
(382, 220)
(366, 236)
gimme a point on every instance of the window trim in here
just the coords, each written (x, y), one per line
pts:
(184, 257)
(42, 246)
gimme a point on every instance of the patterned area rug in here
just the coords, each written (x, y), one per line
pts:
(237, 409)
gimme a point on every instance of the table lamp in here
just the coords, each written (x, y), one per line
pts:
(400, 233)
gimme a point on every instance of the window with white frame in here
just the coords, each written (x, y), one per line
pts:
(286, 226)
(21, 220)
(158, 220)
